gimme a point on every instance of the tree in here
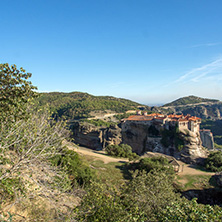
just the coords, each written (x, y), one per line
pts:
(185, 210)
(15, 91)
(214, 161)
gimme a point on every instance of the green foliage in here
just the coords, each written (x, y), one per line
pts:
(76, 105)
(6, 217)
(15, 91)
(122, 116)
(148, 194)
(189, 100)
(217, 146)
(153, 163)
(70, 162)
(122, 150)
(172, 138)
(101, 203)
(185, 210)
(214, 161)
(99, 122)
(9, 188)
(139, 200)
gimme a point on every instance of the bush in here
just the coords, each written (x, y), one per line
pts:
(122, 150)
(138, 200)
(184, 210)
(10, 188)
(172, 138)
(70, 162)
(99, 122)
(153, 163)
(214, 162)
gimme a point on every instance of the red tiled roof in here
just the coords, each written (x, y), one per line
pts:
(176, 118)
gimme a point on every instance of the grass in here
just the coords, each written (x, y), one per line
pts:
(188, 182)
(113, 173)
(116, 173)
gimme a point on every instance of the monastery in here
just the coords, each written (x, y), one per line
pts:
(183, 122)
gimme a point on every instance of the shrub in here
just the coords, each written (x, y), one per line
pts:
(122, 150)
(184, 210)
(70, 162)
(154, 163)
(214, 161)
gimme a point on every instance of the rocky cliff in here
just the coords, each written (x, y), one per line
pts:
(141, 138)
(208, 110)
(207, 139)
(193, 150)
(95, 137)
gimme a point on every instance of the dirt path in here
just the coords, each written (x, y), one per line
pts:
(98, 154)
(187, 169)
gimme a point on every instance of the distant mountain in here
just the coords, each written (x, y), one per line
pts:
(79, 105)
(190, 100)
(209, 110)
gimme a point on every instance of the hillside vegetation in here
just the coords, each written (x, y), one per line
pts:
(42, 180)
(190, 100)
(77, 105)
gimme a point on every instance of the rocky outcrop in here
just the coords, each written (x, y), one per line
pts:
(140, 138)
(207, 139)
(211, 111)
(192, 152)
(95, 137)
(135, 135)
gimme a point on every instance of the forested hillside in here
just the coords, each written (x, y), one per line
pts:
(76, 105)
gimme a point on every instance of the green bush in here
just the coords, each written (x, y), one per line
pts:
(9, 188)
(214, 162)
(141, 199)
(70, 162)
(172, 138)
(154, 163)
(99, 122)
(122, 150)
(184, 210)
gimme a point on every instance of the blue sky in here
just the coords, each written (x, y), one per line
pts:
(150, 51)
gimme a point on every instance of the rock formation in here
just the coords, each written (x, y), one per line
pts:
(207, 139)
(139, 137)
(192, 151)
(142, 138)
(94, 137)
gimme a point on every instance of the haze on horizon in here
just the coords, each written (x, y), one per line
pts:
(148, 51)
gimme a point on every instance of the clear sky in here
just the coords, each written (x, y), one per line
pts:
(149, 51)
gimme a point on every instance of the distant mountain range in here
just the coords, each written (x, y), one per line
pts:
(196, 106)
(188, 100)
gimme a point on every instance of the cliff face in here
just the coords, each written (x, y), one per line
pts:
(207, 139)
(211, 111)
(94, 137)
(192, 151)
(141, 139)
